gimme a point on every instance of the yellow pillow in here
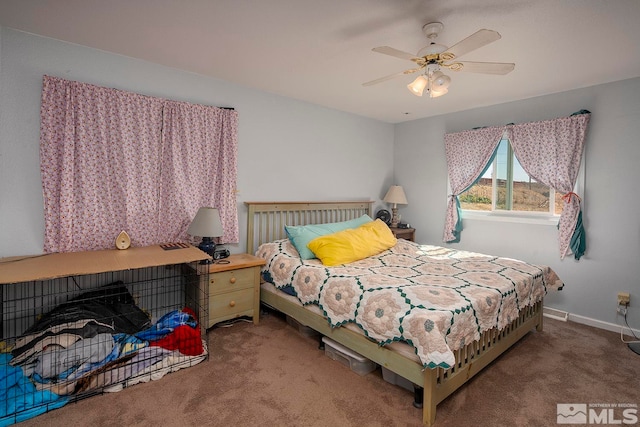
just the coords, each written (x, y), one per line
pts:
(353, 244)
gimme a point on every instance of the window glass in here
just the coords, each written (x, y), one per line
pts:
(505, 186)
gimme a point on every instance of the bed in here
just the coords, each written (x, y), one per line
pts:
(442, 352)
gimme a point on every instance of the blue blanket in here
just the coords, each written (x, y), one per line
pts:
(19, 399)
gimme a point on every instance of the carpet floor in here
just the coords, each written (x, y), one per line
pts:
(272, 375)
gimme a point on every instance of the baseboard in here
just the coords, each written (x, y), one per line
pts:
(563, 316)
(602, 325)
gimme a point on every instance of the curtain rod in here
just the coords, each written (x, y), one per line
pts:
(124, 90)
(583, 111)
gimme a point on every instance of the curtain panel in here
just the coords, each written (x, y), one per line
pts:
(549, 151)
(468, 154)
(108, 164)
(199, 166)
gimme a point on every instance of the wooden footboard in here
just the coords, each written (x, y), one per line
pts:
(266, 223)
(471, 359)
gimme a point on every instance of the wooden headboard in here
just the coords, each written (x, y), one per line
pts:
(266, 220)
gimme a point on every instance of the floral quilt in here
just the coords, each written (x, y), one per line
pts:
(436, 299)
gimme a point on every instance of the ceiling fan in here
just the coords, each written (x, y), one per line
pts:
(433, 57)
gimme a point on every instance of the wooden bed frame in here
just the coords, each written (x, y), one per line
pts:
(266, 222)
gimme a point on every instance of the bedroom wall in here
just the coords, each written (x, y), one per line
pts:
(288, 150)
(292, 150)
(611, 203)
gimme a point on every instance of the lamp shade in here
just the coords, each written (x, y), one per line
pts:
(396, 195)
(206, 223)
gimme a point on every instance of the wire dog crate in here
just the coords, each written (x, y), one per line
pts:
(130, 317)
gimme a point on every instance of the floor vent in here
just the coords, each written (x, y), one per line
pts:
(555, 314)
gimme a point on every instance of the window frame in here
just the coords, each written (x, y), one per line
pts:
(523, 217)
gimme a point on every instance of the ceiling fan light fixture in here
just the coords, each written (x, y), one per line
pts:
(440, 81)
(431, 58)
(434, 93)
(417, 86)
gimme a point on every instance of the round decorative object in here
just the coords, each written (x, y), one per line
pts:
(123, 241)
(384, 216)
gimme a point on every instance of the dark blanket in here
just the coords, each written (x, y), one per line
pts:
(109, 309)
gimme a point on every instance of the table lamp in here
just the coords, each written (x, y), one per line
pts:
(396, 196)
(207, 225)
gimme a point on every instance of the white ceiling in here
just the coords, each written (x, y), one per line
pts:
(320, 50)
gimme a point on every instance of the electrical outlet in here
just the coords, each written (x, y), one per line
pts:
(624, 298)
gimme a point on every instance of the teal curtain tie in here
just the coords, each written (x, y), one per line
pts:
(578, 242)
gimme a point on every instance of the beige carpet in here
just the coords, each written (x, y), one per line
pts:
(271, 375)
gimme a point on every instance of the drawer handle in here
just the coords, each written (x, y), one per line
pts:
(232, 280)
(232, 304)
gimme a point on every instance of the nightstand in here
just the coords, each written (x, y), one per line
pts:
(232, 289)
(404, 233)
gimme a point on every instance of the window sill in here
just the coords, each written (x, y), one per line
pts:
(538, 219)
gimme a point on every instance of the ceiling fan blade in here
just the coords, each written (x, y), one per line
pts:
(391, 76)
(396, 53)
(485, 67)
(474, 41)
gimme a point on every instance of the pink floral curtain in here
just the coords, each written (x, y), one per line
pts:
(107, 166)
(199, 167)
(551, 151)
(467, 153)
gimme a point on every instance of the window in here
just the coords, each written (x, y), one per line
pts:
(506, 187)
(552, 150)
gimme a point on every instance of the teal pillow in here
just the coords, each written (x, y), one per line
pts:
(301, 235)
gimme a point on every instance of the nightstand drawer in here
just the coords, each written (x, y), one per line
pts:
(231, 304)
(404, 233)
(232, 280)
(230, 289)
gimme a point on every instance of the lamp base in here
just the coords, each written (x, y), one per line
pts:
(208, 246)
(635, 347)
(394, 217)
